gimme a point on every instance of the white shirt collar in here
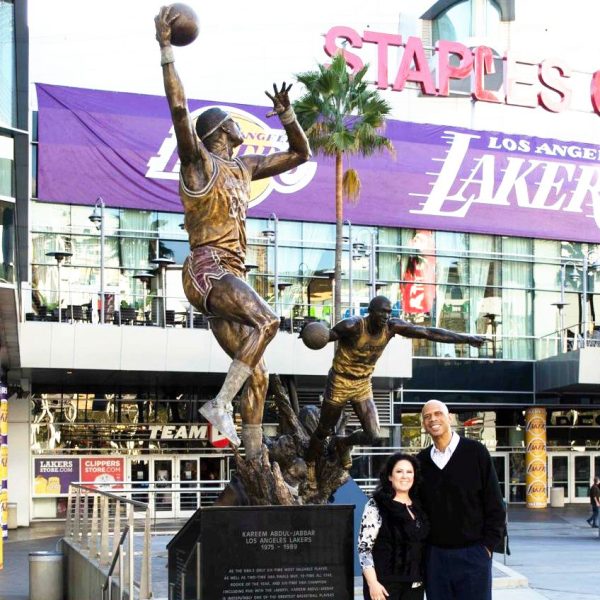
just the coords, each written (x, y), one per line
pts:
(450, 448)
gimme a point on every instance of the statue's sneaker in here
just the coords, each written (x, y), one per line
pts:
(222, 419)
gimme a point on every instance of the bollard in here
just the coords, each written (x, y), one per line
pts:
(45, 576)
(12, 515)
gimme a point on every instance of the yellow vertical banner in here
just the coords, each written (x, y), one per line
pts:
(3, 468)
(536, 478)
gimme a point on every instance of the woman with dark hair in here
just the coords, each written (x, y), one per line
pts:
(392, 534)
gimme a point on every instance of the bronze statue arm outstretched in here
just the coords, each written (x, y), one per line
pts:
(435, 334)
(192, 152)
(299, 149)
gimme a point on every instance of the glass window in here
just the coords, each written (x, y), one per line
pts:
(7, 165)
(454, 23)
(169, 224)
(7, 242)
(516, 298)
(465, 19)
(135, 222)
(452, 298)
(8, 96)
(50, 217)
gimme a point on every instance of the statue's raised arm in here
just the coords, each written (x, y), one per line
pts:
(299, 150)
(196, 167)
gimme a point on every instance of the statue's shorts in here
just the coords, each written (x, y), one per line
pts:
(341, 389)
(202, 267)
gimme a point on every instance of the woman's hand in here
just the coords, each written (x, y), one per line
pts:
(377, 591)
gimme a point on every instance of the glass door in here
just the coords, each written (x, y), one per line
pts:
(139, 475)
(162, 475)
(558, 473)
(500, 460)
(582, 477)
(516, 475)
(188, 501)
(212, 474)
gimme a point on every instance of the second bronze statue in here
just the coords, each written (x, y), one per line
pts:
(361, 341)
(215, 190)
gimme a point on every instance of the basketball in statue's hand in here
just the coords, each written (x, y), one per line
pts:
(315, 335)
(185, 28)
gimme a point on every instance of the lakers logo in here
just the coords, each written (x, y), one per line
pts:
(259, 138)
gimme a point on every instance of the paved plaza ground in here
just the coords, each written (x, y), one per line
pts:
(555, 556)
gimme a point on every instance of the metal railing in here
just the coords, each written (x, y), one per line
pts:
(102, 526)
(114, 530)
(118, 556)
(567, 339)
(82, 305)
(195, 554)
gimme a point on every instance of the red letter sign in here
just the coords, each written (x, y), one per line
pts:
(445, 70)
(595, 91)
(347, 33)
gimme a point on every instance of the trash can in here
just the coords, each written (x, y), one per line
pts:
(45, 576)
(557, 497)
(12, 515)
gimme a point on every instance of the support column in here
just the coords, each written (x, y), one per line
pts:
(536, 478)
(19, 458)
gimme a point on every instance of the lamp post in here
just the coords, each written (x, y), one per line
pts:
(97, 218)
(145, 278)
(330, 274)
(359, 250)
(491, 317)
(372, 265)
(560, 305)
(590, 261)
(162, 264)
(350, 260)
(59, 256)
(271, 235)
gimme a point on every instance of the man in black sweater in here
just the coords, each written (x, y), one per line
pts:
(461, 496)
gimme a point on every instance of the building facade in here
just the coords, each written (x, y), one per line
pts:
(486, 221)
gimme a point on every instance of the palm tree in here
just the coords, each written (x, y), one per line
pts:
(342, 116)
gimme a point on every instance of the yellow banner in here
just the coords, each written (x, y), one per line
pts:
(536, 478)
(3, 469)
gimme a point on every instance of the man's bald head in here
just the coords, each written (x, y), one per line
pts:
(434, 404)
(436, 422)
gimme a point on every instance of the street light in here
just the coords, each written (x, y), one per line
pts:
(97, 218)
(359, 250)
(560, 305)
(145, 278)
(59, 256)
(271, 235)
(162, 263)
(350, 260)
(590, 261)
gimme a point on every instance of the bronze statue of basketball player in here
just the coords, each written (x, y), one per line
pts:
(215, 189)
(361, 341)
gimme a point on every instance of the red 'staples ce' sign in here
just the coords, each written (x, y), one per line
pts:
(526, 83)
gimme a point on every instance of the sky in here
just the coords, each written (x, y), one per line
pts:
(244, 47)
(110, 44)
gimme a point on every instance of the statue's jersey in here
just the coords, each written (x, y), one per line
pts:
(355, 357)
(216, 215)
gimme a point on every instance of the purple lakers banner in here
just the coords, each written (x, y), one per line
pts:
(122, 147)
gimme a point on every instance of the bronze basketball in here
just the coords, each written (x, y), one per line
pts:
(315, 335)
(185, 28)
